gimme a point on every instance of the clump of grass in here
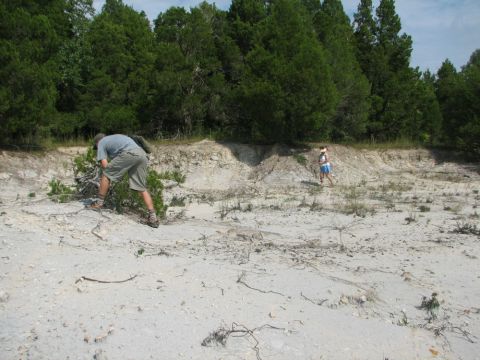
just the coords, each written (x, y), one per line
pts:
(424, 208)
(60, 192)
(411, 218)
(227, 208)
(174, 175)
(395, 187)
(301, 159)
(467, 228)
(354, 205)
(176, 201)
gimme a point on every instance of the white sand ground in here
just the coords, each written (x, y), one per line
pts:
(259, 250)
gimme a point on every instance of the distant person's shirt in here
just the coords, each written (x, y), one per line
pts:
(113, 145)
(324, 160)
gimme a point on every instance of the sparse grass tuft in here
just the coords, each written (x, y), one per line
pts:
(176, 201)
(353, 204)
(466, 228)
(424, 208)
(411, 218)
(301, 159)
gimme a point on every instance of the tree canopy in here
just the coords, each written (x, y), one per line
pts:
(261, 71)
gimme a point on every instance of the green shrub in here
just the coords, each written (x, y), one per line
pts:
(120, 198)
(173, 175)
(60, 192)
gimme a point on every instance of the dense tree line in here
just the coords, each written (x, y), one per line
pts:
(262, 71)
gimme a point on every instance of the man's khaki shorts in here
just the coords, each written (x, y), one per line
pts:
(132, 161)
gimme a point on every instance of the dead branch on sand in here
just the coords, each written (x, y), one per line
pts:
(84, 278)
(317, 302)
(220, 336)
(241, 281)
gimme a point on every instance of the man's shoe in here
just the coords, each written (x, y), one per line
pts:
(95, 206)
(152, 223)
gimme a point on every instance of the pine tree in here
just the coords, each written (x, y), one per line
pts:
(448, 89)
(190, 48)
(336, 34)
(469, 131)
(118, 86)
(31, 35)
(384, 55)
(364, 35)
(287, 93)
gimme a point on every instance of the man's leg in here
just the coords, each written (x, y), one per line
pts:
(102, 192)
(147, 199)
(152, 216)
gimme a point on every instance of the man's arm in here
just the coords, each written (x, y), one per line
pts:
(103, 163)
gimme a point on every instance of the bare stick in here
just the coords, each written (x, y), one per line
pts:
(241, 281)
(318, 302)
(82, 278)
(94, 232)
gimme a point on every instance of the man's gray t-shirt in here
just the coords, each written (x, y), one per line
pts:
(111, 146)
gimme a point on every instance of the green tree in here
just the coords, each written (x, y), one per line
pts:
(74, 59)
(385, 61)
(364, 35)
(189, 69)
(287, 93)
(118, 86)
(243, 16)
(469, 131)
(336, 34)
(30, 37)
(448, 89)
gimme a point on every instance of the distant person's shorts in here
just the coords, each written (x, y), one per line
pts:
(325, 169)
(135, 163)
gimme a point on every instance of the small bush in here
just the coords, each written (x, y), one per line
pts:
(120, 197)
(466, 228)
(180, 202)
(60, 192)
(431, 305)
(173, 175)
(424, 208)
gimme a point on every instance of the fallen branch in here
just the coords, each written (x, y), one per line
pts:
(82, 278)
(94, 233)
(220, 336)
(318, 302)
(241, 281)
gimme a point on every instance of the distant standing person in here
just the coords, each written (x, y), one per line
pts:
(325, 166)
(117, 155)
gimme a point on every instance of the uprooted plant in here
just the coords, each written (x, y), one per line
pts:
(120, 198)
(430, 305)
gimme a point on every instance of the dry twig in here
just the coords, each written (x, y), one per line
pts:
(241, 281)
(220, 336)
(82, 278)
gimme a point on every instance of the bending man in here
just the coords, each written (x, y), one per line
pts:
(125, 156)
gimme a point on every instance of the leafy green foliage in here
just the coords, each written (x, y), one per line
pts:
(120, 196)
(60, 192)
(430, 305)
(263, 71)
